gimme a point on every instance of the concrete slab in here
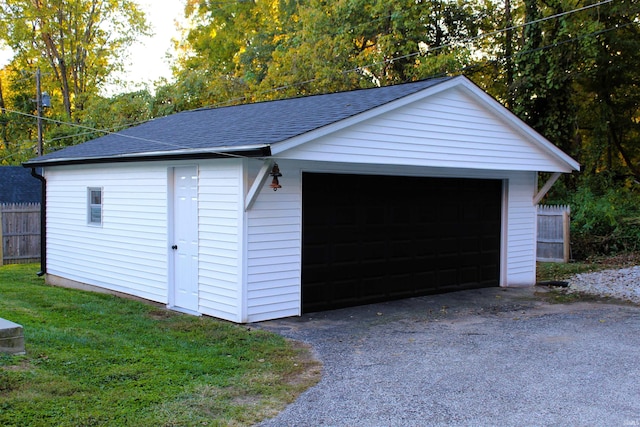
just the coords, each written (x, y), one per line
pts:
(11, 337)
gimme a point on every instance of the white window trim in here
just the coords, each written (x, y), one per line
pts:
(90, 206)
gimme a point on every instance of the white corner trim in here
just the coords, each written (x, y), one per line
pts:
(253, 192)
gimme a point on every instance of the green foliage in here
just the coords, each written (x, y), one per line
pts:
(95, 359)
(274, 49)
(553, 271)
(605, 219)
(572, 77)
(76, 43)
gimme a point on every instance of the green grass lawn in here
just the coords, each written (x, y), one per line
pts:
(96, 359)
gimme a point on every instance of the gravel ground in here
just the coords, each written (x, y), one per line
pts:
(488, 357)
(622, 284)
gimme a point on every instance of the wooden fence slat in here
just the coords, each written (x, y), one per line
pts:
(19, 233)
(553, 242)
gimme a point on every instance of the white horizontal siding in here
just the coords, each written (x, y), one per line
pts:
(521, 232)
(274, 233)
(449, 129)
(220, 207)
(128, 253)
(274, 225)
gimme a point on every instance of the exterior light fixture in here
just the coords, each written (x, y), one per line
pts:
(275, 173)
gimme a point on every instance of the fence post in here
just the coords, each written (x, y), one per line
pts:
(566, 247)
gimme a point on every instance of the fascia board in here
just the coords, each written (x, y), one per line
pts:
(230, 151)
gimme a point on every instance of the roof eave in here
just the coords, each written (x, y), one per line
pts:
(224, 152)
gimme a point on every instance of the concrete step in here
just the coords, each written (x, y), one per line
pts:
(11, 337)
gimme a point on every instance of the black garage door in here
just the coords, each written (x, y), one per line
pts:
(373, 238)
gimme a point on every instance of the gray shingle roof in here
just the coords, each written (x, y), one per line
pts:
(18, 186)
(240, 128)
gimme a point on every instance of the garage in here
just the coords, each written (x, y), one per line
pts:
(324, 201)
(372, 238)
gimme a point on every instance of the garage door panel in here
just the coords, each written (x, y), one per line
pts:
(447, 277)
(344, 252)
(487, 274)
(402, 287)
(470, 245)
(371, 238)
(468, 274)
(373, 269)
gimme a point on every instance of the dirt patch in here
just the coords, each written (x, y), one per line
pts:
(24, 365)
(310, 370)
(160, 314)
(617, 261)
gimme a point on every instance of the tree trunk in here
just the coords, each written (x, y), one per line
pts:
(617, 140)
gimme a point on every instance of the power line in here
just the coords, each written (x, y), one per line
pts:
(169, 144)
(356, 69)
(515, 27)
(477, 65)
(410, 55)
(93, 130)
(24, 150)
(107, 132)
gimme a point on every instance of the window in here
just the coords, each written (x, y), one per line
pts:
(94, 213)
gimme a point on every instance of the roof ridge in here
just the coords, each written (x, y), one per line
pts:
(247, 128)
(349, 91)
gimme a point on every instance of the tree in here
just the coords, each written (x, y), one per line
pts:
(354, 43)
(17, 128)
(576, 81)
(610, 134)
(275, 48)
(77, 43)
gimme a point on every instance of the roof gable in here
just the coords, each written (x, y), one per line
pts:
(453, 124)
(236, 128)
(274, 127)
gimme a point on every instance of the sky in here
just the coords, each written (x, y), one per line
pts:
(147, 58)
(146, 62)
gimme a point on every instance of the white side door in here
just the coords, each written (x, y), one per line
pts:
(184, 240)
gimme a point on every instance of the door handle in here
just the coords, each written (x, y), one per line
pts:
(174, 247)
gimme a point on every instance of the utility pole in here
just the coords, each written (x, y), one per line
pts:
(39, 110)
(42, 100)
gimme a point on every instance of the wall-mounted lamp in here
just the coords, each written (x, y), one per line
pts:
(275, 173)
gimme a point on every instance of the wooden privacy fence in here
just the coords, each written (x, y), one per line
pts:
(553, 242)
(20, 233)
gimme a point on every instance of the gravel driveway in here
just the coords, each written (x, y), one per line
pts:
(489, 357)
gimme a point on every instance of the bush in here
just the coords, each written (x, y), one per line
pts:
(604, 221)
